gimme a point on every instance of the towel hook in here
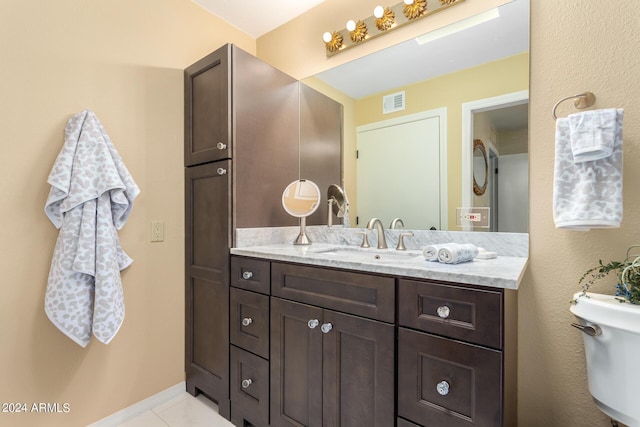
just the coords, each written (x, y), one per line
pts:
(583, 100)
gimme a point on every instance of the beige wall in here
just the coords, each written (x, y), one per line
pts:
(124, 60)
(573, 48)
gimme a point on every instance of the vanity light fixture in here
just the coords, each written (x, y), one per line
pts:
(414, 8)
(384, 19)
(357, 31)
(332, 41)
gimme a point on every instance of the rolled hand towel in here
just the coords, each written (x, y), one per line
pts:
(455, 253)
(431, 252)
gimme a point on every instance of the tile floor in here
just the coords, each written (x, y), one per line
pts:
(181, 411)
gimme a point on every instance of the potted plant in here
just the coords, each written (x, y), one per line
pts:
(627, 272)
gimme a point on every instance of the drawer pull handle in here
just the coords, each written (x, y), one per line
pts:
(313, 323)
(326, 328)
(247, 275)
(247, 321)
(246, 383)
(222, 171)
(221, 145)
(443, 388)
(444, 311)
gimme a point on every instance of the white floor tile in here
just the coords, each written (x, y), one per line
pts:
(191, 412)
(146, 419)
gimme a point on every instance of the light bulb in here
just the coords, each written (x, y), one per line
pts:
(327, 37)
(378, 12)
(351, 25)
(408, 1)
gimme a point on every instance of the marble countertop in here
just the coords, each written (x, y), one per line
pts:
(501, 272)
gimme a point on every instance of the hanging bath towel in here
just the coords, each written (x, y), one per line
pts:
(91, 198)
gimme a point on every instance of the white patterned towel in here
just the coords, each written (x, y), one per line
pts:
(587, 194)
(456, 253)
(91, 198)
(592, 134)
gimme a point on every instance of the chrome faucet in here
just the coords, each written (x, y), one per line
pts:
(382, 242)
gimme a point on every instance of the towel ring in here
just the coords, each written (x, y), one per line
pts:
(583, 100)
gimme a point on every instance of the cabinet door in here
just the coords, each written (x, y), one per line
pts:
(296, 364)
(207, 237)
(447, 383)
(207, 108)
(358, 371)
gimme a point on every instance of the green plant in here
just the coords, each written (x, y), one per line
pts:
(627, 272)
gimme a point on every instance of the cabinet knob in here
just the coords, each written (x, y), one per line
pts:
(313, 323)
(222, 171)
(247, 321)
(247, 275)
(221, 145)
(326, 327)
(444, 311)
(443, 388)
(246, 383)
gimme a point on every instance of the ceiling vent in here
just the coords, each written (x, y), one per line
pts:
(392, 103)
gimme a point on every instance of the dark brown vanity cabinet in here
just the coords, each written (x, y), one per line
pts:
(329, 368)
(456, 355)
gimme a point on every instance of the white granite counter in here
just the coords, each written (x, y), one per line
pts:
(501, 272)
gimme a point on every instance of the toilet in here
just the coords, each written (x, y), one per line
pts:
(611, 334)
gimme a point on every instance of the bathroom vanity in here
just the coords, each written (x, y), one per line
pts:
(315, 344)
(323, 334)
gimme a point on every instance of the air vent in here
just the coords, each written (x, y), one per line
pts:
(392, 103)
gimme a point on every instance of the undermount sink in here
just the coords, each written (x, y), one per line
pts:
(373, 255)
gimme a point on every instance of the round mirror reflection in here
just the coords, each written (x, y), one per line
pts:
(301, 198)
(480, 167)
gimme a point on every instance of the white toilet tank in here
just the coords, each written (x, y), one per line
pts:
(613, 356)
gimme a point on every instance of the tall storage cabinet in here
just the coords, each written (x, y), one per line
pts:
(243, 146)
(241, 151)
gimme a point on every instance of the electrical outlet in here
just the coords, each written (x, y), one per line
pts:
(157, 231)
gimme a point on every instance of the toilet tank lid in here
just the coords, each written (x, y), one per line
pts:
(606, 310)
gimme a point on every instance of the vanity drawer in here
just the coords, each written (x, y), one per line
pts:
(359, 294)
(442, 382)
(249, 388)
(251, 274)
(473, 315)
(249, 321)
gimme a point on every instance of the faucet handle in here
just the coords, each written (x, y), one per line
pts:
(400, 246)
(365, 240)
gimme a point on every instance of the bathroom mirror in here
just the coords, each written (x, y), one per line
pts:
(463, 54)
(300, 199)
(480, 167)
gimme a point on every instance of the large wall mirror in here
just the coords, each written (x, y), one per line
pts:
(407, 162)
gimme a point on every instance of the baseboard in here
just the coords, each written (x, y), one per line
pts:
(141, 407)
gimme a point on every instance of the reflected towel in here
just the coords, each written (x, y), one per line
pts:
(592, 134)
(455, 253)
(91, 197)
(588, 194)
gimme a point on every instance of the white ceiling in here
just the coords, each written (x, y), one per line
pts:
(255, 17)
